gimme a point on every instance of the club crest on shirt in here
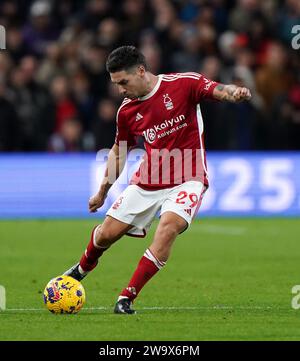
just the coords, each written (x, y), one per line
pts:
(168, 102)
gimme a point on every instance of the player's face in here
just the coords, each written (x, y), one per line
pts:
(131, 83)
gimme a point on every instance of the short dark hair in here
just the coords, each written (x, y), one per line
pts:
(124, 58)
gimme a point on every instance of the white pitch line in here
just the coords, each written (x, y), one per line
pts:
(208, 308)
(161, 308)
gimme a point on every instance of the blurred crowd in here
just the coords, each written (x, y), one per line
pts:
(56, 96)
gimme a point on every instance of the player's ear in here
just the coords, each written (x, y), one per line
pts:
(141, 70)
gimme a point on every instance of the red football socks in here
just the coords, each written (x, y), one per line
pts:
(89, 259)
(148, 266)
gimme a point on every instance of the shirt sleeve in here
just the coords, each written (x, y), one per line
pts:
(201, 87)
(123, 130)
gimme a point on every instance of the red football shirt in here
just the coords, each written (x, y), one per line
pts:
(170, 121)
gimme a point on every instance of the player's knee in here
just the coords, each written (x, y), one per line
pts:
(168, 230)
(104, 237)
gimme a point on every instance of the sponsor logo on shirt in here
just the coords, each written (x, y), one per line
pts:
(151, 134)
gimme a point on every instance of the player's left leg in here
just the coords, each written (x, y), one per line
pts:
(153, 260)
(179, 206)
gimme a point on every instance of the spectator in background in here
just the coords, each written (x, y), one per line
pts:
(52, 66)
(211, 68)
(12, 13)
(153, 56)
(34, 107)
(242, 14)
(95, 11)
(135, 16)
(40, 30)
(188, 58)
(109, 34)
(80, 89)
(6, 63)
(273, 78)
(104, 124)
(65, 107)
(63, 10)
(94, 65)
(237, 129)
(205, 24)
(15, 44)
(286, 115)
(71, 138)
(8, 121)
(72, 54)
(273, 81)
(291, 117)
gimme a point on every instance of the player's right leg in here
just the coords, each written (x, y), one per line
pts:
(102, 237)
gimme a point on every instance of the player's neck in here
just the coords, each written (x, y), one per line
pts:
(151, 81)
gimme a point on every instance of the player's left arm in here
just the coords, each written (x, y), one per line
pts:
(231, 93)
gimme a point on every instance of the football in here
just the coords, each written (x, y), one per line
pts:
(64, 294)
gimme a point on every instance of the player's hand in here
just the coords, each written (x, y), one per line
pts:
(241, 94)
(96, 202)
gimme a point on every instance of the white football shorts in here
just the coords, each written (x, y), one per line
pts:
(139, 207)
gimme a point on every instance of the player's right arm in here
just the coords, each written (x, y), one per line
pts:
(116, 158)
(114, 166)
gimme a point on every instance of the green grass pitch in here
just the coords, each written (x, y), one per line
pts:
(227, 279)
